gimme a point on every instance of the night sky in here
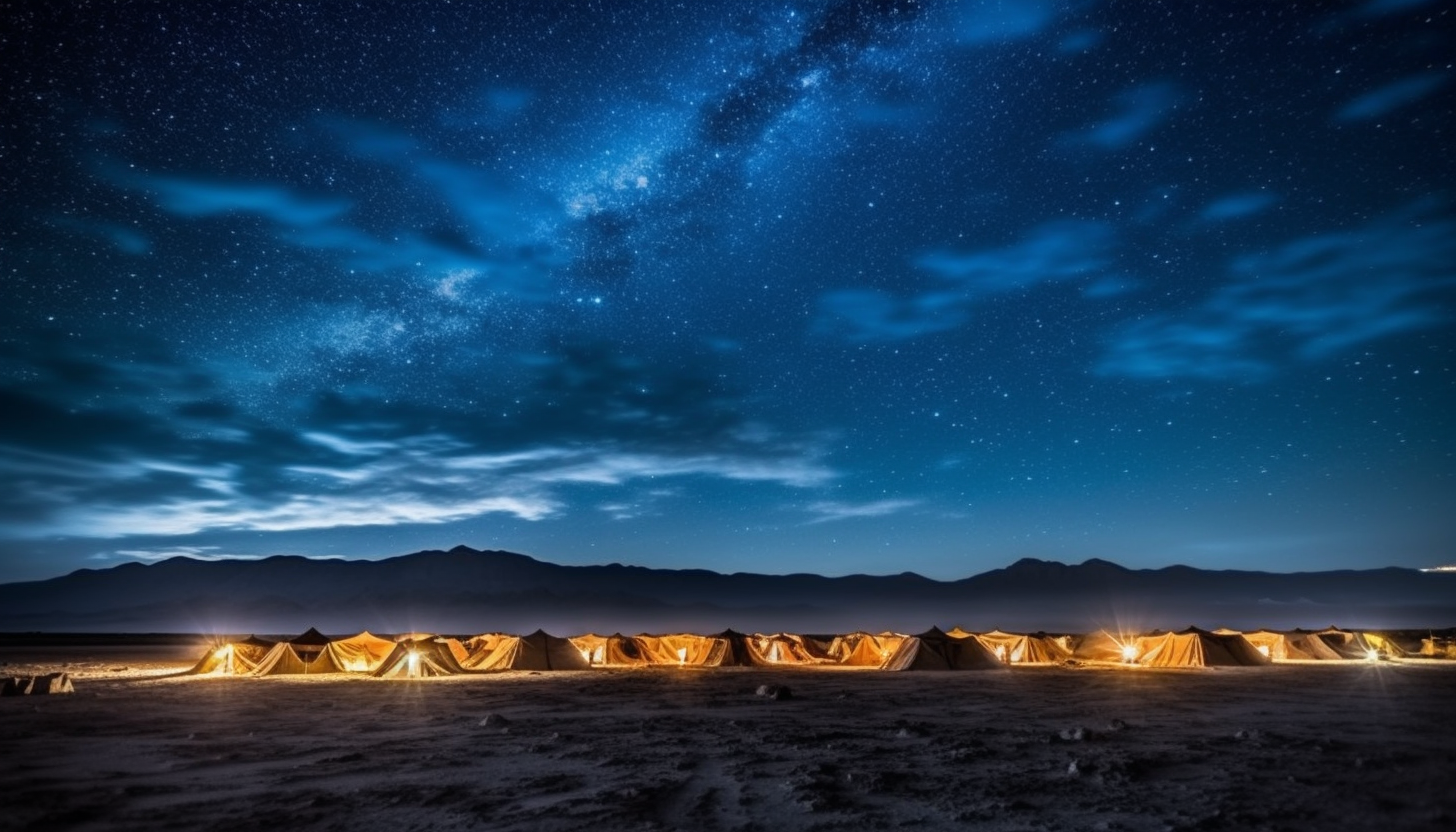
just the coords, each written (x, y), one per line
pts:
(749, 286)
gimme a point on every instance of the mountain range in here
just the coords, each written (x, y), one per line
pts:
(468, 591)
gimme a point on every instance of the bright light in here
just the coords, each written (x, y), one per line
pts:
(1129, 653)
(682, 655)
(1264, 648)
(414, 663)
(1372, 655)
(1001, 652)
(587, 655)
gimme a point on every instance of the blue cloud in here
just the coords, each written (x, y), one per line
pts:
(1237, 206)
(201, 198)
(1305, 301)
(1139, 110)
(1053, 252)
(989, 21)
(1391, 97)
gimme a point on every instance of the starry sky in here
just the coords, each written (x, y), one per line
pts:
(833, 286)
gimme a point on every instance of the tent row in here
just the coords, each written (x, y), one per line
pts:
(414, 655)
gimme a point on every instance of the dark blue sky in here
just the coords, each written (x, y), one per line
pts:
(791, 286)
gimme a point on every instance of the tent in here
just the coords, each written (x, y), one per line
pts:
(537, 651)
(615, 650)
(360, 654)
(784, 649)
(861, 649)
(1197, 648)
(1291, 646)
(419, 658)
(1438, 648)
(1017, 648)
(233, 657)
(1103, 646)
(1356, 645)
(930, 650)
(684, 650)
(307, 653)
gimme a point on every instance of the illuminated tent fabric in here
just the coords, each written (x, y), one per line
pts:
(776, 649)
(286, 659)
(1017, 648)
(615, 650)
(930, 650)
(863, 649)
(1292, 646)
(418, 659)
(1438, 648)
(684, 649)
(1103, 646)
(935, 650)
(537, 651)
(233, 657)
(1197, 648)
(360, 654)
(1356, 645)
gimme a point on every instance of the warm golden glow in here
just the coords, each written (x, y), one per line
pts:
(1129, 652)
(1372, 655)
(1264, 648)
(682, 655)
(414, 663)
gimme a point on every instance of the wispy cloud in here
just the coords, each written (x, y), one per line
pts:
(1054, 252)
(1304, 301)
(828, 511)
(1237, 206)
(207, 553)
(1138, 111)
(1391, 97)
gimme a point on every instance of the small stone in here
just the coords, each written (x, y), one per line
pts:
(494, 721)
(1078, 734)
(1074, 768)
(1116, 725)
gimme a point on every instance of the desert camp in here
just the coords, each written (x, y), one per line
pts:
(425, 655)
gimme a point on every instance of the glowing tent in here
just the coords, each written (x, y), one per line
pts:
(537, 651)
(1103, 646)
(684, 650)
(615, 650)
(233, 657)
(783, 649)
(419, 659)
(1351, 644)
(1282, 647)
(1016, 648)
(1197, 648)
(360, 654)
(861, 649)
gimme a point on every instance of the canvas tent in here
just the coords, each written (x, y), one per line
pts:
(1351, 644)
(783, 649)
(304, 654)
(684, 650)
(1291, 646)
(538, 651)
(615, 650)
(1103, 646)
(360, 654)
(1017, 648)
(419, 659)
(1197, 648)
(233, 657)
(861, 649)
(930, 650)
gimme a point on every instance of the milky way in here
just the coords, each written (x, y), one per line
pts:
(805, 286)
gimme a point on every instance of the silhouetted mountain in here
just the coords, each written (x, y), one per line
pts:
(465, 591)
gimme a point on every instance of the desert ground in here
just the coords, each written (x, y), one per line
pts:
(1317, 746)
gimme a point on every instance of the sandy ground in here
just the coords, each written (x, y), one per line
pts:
(1290, 747)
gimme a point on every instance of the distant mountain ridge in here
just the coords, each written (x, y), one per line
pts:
(464, 590)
